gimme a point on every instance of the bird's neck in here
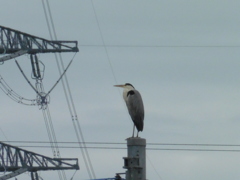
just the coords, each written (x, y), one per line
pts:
(125, 92)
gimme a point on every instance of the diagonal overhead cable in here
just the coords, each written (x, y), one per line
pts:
(68, 95)
(106, 51)
(103, 42)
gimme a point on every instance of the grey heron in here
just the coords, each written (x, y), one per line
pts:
(134, 104)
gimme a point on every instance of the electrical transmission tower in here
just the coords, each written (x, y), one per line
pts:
(17, 161)
(16, 43)
(13, 44)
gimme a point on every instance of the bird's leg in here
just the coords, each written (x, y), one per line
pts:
(133, 130)
(137, 133)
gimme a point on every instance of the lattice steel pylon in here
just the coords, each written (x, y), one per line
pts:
(16, 43)
(17, 161)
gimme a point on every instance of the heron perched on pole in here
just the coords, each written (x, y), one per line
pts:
(134, 104)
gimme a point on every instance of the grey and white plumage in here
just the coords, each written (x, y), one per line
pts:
(134, 104)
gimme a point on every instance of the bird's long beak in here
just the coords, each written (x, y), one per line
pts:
(122, 85)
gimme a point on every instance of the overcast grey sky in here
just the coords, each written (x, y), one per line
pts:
(183, 56)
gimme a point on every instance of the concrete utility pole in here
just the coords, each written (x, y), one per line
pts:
(135, 163)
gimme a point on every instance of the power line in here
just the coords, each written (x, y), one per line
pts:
(120, 143)
(46, 112)
(106, 51)
(13, 95)
(69, 98)
(3, 133)
(159, 46)
(183, 149)
(185, 144)
(124, 148)
(108, 146)
(154, 167)
(63, 142)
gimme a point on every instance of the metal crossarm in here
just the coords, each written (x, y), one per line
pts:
(13, 174)
(12, 41)
(13, 158)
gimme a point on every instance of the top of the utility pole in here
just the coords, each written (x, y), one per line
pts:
(136, 141)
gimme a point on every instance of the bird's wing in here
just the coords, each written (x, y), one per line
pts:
(135, 108)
